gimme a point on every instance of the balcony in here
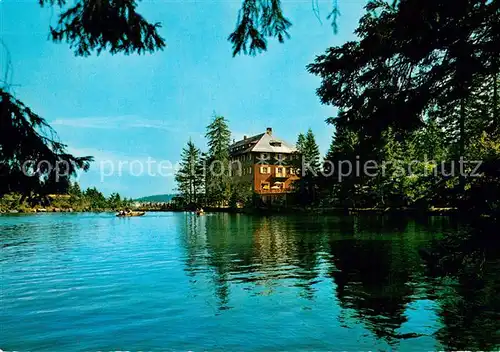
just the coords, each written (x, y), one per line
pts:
(275, 190)
(280, 177)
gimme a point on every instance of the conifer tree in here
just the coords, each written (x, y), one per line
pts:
(217, 161)
(301, 139)
(310, 153)
(189, 177)
(309, 167)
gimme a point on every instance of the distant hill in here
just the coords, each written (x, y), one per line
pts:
(159, 198)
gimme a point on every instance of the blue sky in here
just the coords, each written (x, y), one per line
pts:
(125, 108)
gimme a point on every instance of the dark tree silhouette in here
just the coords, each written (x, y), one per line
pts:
(31, 157)
(99, 25)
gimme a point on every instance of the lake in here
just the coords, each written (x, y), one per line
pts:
(234, 282)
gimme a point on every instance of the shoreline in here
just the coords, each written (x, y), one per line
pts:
(260, 211)
(323, 211)
(337, 211)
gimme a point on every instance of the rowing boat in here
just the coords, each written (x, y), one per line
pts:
(132, 213)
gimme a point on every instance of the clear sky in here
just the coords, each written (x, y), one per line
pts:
(125, 108)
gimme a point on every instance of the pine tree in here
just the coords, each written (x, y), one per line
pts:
(340, 184)
(115, 201)
(75, 190)
(217, 161)
(301, 139)
(310, 153)
(24, 137)
(96, 198)
(189, 178)
(309, 167)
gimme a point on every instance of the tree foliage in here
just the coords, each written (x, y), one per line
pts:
(412, 58)
(32, 160)
(258, 20)
(309, 167)
(420, 83)
(73, 198)
(112, 25)
(115, 25)
(190, 176)
(217, 161)
(310, 151)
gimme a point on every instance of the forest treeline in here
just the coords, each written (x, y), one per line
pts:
(417, 172)
(418, 87)
(73, 199)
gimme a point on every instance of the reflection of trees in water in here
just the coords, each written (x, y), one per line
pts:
(203, 250)
(471, 315)
(276, 251)
(371, 279)
(194, 242)
(287, 249)
(262, 251)
(377, 271)
(373, 261)
(467, 265)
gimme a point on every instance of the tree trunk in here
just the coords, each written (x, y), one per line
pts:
(194, 191)
(190, 191)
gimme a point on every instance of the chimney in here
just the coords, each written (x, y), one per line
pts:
(244, 138)
(269, 131)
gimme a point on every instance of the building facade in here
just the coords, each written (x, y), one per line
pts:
(265, 163)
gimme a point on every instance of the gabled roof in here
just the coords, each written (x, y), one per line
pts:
(272, 144)
(250, 140)
(262, 143)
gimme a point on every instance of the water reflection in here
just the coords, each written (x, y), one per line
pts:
(371, 264)
(372, 279)
(469, 300)
(275, 283)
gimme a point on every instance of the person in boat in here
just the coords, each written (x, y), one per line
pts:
(121, 212)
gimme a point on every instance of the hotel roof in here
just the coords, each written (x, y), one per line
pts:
(262, 143)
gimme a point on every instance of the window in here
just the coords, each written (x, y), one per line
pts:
(264, 170)
(279, 171)
(292, 171)
(250, 170)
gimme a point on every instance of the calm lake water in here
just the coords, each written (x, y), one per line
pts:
(175, 281)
